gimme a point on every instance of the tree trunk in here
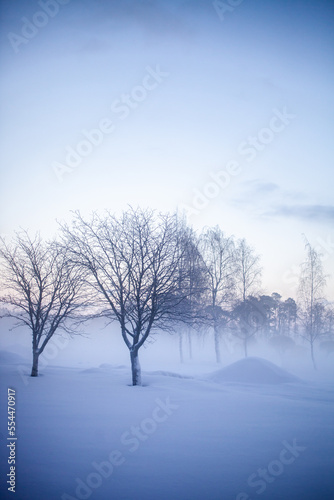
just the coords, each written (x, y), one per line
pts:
(34, 370)
(312, 356)
(135, 367)
(190, 345)
(181, 347)
(245, 346)
(217, 346)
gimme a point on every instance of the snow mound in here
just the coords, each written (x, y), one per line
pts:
(253, 371)
(11, 358)
(91, 370)
(170, 374)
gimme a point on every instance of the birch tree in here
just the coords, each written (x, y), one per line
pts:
(192, 284)
(248, 270)
(217, 252)
(311, 286)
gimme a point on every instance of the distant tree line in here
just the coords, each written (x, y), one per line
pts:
(149, 272)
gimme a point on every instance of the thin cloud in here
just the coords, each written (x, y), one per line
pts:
(155, 17)
(255, 190)
(305, 212)
(267, 199)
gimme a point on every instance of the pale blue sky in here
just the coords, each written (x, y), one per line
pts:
(225, 80)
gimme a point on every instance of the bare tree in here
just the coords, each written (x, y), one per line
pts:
(43, 290)
(248, 270)
(329, 320)
(134, 267)
(311, 285)
(217, 253)
(192, 285)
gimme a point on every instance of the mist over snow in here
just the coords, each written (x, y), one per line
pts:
(101, 343)
(252, 426)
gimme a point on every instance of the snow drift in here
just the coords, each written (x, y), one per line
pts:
(175, 438)
(11, 358)
(253, 371)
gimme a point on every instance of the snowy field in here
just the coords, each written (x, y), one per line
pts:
(247, 430)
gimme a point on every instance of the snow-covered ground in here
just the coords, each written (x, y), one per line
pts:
(248, 430)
